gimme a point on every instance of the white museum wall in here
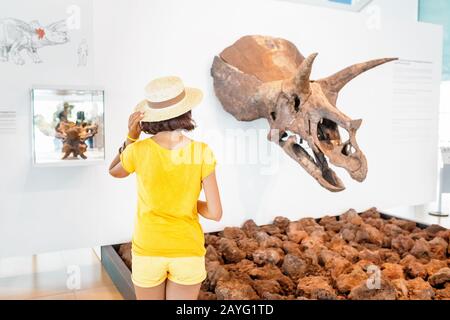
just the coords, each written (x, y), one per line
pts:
(43, 209)
(50, 209)
(397, 10)
(187, 48)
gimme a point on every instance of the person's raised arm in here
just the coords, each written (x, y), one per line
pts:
(212, 208)
(134, 131)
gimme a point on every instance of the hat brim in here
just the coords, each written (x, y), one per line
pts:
(192, 99)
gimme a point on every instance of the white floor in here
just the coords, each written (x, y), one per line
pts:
(68, 275)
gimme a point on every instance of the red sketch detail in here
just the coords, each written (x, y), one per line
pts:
(41, 33)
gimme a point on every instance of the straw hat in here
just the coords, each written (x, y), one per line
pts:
(168, 98)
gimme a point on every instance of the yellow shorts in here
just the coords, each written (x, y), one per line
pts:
(150, 272)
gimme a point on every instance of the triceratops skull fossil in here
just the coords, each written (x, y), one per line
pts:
(265, 77)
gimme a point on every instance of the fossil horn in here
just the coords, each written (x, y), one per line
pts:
(336, 82)
(302, 79)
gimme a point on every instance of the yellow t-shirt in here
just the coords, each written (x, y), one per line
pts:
(168, 184)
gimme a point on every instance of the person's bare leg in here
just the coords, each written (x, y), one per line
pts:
(155, 293)
(175, 291)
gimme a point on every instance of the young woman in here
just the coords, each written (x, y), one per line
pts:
(168, 243)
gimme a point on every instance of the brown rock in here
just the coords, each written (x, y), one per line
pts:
(265, 272)
(337, 267)
(267, 286)
(310, 225)
(269, 272)
(230, 251)
(433, 230)
(365, 264)
(419, 289)
(421, 249)
(331, 224)
(248, 245)
(269, 255)
(438, 248)
(206, 296)
(419, 234)
(313, 243)
(402, 288)
(336, 242)
(392, 271)
(326, 256)
(233, 233)
(266, 241)
(282, 223)
(368, 246)
(386, 291)
(351, 217)
(211, 239)
(367, 233)
(287, 284)
(316, 288)
(216, 273)
(444, 234)
(404, 224)
(348, 232)
(273, 296)
(292, 248)
(389, 256)
(393, 231)
(250, 228)
(376, 223)
(434, 266)
(235, 290)
(371, 213)
(125, 254)
(212, 255)
(440, 277)
(312, 260)
(346, 282)
(271, 229)
(242, 267)
(372, 256)
(295, 234)
(294, 266)
(416, 269)
(444, 294)
(402, 244)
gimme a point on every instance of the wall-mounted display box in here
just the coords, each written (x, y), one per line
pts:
(68, 126)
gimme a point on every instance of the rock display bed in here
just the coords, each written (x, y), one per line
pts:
(352, 256)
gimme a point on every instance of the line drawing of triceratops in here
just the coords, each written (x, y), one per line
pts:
(17, 35)
(264, 77)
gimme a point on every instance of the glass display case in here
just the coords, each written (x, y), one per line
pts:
(68, 126)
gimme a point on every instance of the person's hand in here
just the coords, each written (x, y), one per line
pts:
(134, 127)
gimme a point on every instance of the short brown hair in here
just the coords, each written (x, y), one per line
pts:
(183, 122)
